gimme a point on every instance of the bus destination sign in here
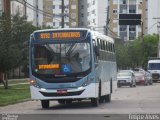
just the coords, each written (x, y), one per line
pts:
(59, 35)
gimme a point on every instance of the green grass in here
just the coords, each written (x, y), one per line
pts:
(14, 94)
(14, 81)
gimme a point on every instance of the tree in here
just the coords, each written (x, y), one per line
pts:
(14, 31)
(135, 53)
(121, 54)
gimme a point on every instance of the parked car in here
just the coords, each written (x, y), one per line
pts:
(141, 78)
(126, 78)
(139, 70)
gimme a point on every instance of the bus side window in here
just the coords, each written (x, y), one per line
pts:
(96, 51)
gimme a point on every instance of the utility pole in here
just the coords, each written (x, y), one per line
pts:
(158, 27)
(158, 30)
(25, 9)
(62, 14)
(7, 7)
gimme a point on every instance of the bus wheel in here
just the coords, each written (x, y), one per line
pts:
(45, 103)
(95, 102)
(61, 101)
(107, 98)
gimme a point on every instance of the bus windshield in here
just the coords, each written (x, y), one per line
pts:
(61, 59)
(154, 66)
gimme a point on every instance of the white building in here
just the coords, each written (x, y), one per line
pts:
(17, 7)
(153, 12)
(97, 15)
(57, 13)
(34, 12)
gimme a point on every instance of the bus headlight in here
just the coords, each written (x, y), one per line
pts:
(88, 81)
(32, 82)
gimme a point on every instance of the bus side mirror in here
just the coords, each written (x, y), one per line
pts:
(96, 48)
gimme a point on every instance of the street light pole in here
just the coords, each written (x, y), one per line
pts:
(158, 27)
(158, 30)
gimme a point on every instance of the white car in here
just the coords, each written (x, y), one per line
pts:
(126, 78)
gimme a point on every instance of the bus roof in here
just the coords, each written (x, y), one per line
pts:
(154, 61)
(61, 29)
(100, 35)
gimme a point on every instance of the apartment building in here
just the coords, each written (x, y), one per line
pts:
(93, 14)
(18, 7)
(83, 14)
(48, 12)
(35, 12)
(74, 13)
(58, 15)
(127, 19)
(153, 16)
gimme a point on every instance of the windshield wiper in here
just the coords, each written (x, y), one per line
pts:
(70, 50)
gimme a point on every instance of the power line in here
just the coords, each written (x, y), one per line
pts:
(37, 10)
(30, 6)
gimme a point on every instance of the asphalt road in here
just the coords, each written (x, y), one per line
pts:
(126, 101)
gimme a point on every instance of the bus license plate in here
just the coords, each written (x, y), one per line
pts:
(62, 91)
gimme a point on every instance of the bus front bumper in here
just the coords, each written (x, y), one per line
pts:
(90, 91)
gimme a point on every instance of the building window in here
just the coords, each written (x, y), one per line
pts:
(54, 23)
(93, 2)
(132, 28)
(60, 6)
(123, 2)
(82, 15)
(94, 20)
(82, 6)
(132, 11)
(54, 7)
(60, 23)
(123, 8)
(115, 11)
(82, 23)
(123, 28)
(93, 12)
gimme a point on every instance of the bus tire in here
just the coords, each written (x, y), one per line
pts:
(107, 98)
(45, 103)
(94, 102)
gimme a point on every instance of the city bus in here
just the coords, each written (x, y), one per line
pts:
(71, 64)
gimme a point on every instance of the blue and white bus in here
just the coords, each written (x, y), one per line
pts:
(71, 64)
